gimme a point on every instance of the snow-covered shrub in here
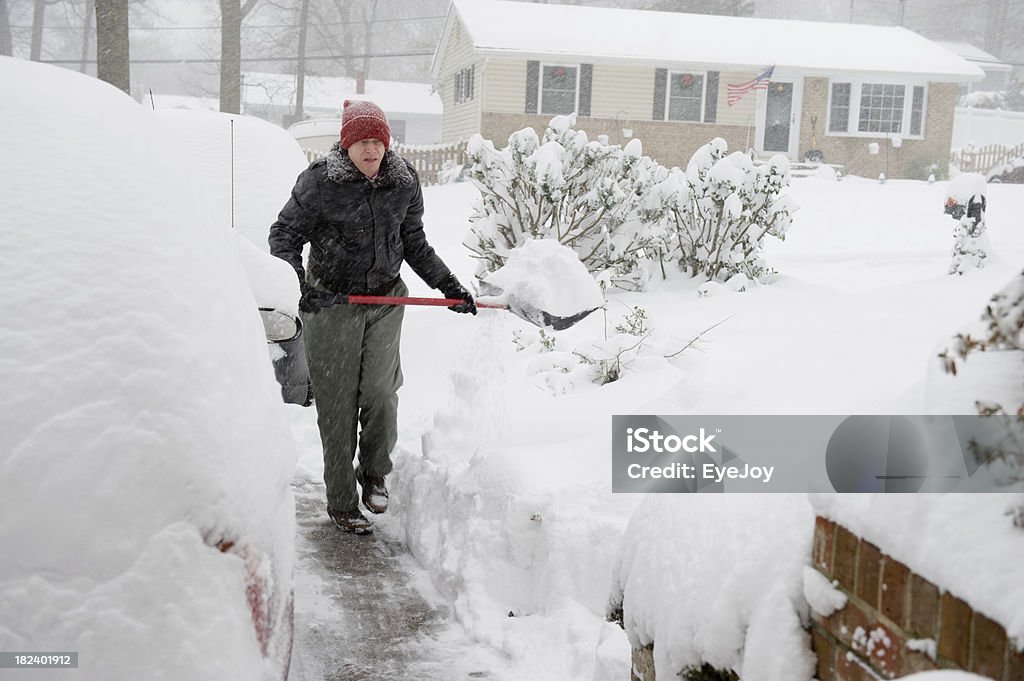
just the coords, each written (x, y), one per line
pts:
(726, 209)
(1003, 321)
(621, 212)
(593, 197)
(1004, 330)
(966, 203)
(987, 99)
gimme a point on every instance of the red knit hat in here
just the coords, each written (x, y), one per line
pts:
(363, 120)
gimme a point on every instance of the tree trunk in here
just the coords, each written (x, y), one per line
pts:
(112, 59)
(6, 44)
(300, 76)
(230, 56)
(368, 40)
(231, 14)
(90, 8)
(35, 51)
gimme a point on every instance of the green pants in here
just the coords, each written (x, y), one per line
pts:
(356, 371)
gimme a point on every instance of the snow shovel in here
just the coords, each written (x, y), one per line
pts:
(517, 307)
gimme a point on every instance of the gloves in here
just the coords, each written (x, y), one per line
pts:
(313, 300)
(451, 288)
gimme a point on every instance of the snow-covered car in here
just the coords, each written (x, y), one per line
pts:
(1013, 171)
(246, 168)
(146, 512)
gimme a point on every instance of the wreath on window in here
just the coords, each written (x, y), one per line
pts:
(559, 72)
(687, 80)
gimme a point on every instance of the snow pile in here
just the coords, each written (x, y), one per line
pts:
(141, 423)
(716, 579)
(964, 543)
(548, 276)
(265, 159)
(245, 168)
(476, 465)
(966, 186)
(821, 594)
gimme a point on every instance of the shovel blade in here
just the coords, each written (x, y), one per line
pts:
(541, 318)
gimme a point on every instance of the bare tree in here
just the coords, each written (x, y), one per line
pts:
(90, 9)
(300, 68)
(369, 16)
(231, 14)
(35, 52)
(112, 58)
(6, 44)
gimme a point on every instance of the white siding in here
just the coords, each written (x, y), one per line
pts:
(622, 92)
(505, 86)
(743, 111)
(460, 120)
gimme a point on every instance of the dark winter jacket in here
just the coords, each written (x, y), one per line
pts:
(359, 230)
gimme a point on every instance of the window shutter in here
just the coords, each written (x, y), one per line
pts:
(660, 85)
(532, 85)
(711, 98)
(586, 78)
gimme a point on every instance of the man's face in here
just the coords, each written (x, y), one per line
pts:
(367, 155)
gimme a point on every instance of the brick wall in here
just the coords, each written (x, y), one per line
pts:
(668, 143)
(911, 160)
(890, 606)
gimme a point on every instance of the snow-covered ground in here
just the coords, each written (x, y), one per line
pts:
(502, 486)
(502, 483)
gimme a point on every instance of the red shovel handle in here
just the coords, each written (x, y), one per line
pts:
(406, 300)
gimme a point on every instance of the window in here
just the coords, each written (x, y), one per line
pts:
(839, 110)
(876, 109)
(685, 96)
(881, 108)
(917, 111)
(464, 82)
(558, 90)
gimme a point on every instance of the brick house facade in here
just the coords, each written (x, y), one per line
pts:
(503, 66)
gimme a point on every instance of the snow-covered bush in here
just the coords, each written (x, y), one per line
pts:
(1004, 330)
(1003, 321)
(621, 212)
(727, 209)
(593, 197)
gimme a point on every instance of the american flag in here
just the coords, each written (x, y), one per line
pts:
(736, 92)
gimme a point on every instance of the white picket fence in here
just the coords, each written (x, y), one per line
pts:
(985, 138)
(984, 159)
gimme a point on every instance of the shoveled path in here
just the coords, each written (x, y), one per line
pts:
(359, 615)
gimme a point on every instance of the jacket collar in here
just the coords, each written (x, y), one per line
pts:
(393, 169)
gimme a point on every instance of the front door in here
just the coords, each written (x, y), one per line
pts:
(780, 120)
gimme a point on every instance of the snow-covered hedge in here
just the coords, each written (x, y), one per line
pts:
(727, 208)
(624, 214)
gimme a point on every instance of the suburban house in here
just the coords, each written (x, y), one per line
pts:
(413, 109)
(873, 99)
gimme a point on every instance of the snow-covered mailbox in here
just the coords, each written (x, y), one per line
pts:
(966, 203)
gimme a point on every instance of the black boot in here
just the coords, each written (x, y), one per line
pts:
(351, 521)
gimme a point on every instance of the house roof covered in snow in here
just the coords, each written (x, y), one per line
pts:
(328, 92)
(611, 35)
(977, 55)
